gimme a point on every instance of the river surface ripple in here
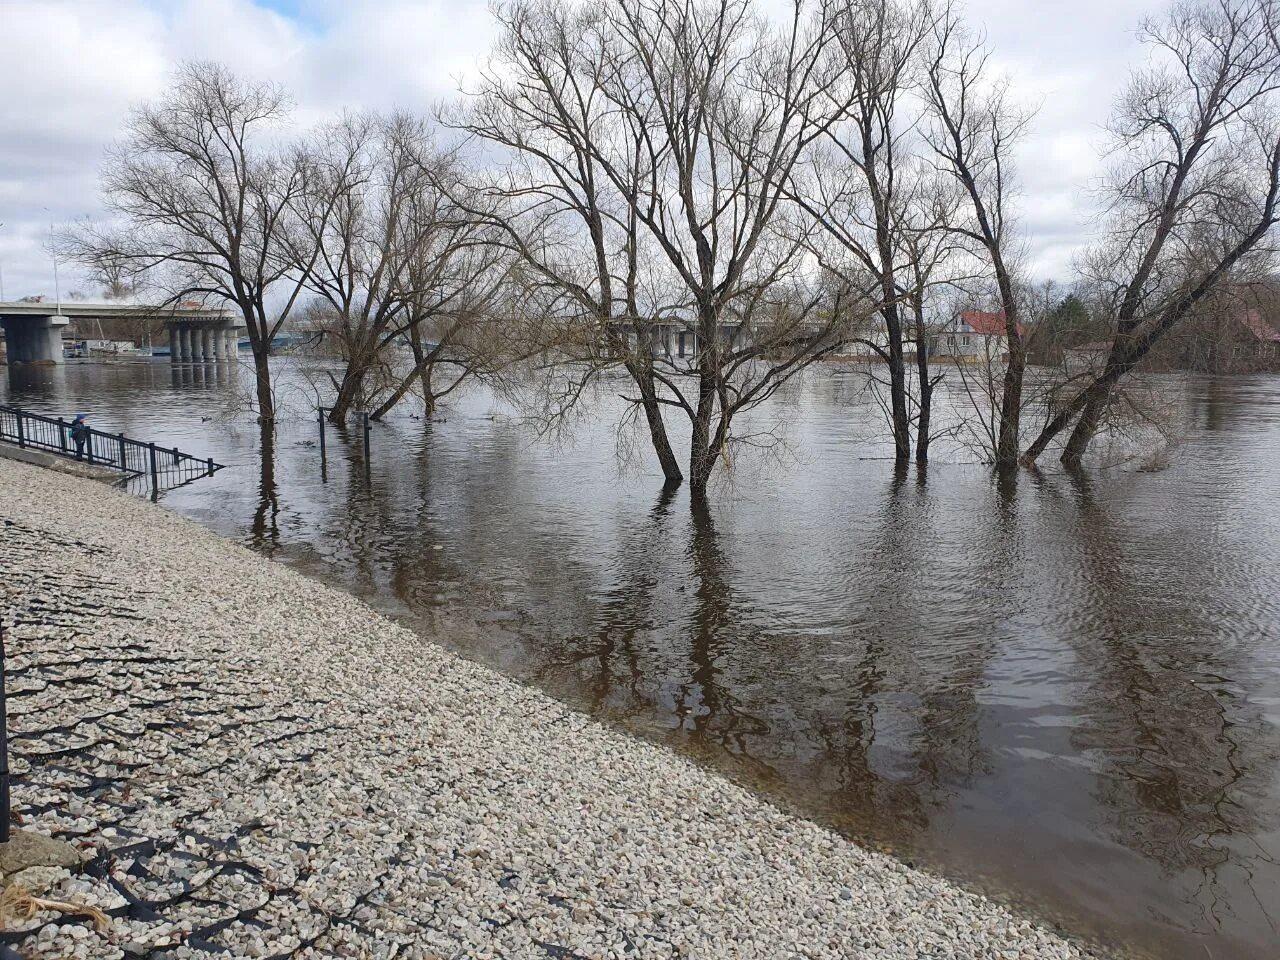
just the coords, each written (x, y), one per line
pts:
(1063, 689)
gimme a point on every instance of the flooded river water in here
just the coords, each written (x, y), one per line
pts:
(1064, 689)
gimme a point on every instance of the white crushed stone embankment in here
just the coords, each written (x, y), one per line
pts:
(264, 766)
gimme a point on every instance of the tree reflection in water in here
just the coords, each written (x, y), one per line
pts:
(1066, 687)
(264, 532)
(1166, 729)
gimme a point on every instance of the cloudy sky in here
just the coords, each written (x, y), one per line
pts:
(73, 68)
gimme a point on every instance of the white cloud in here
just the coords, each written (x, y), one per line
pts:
(74, 67)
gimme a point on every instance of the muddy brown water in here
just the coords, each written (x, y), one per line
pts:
(1065, 690)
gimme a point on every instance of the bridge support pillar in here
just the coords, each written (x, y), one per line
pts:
(206, 344)
(184, 343)
(34, 339)
(173, 343)
(197, 346)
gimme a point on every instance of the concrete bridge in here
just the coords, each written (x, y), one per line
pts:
(33, 331)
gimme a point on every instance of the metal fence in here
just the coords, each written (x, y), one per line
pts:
(165, 467)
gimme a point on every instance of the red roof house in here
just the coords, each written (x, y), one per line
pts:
(986, 323)
(1255, 324)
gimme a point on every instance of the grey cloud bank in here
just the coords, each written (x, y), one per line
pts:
(74, 68)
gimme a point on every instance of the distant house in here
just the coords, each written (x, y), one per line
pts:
(1243, 341)
(871, 342)
(974, 335)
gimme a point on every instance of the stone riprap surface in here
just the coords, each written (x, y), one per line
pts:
(258, 765)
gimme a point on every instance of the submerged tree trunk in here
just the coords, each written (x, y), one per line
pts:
(898, 387)
(657, 425)
(1008, 442)
(702, 458)
(423, 361)
(1086, 426)
(349, 392)
(396, 396)
(1090, 404)
(923, 425)
(262, 382)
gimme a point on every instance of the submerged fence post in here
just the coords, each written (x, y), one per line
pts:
(367, 459)
(209, 463)
(155, 472)
(320, 420)
(123, 464)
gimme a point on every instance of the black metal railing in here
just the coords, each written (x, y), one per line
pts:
(164, 467)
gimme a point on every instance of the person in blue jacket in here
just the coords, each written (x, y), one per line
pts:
(80, 433)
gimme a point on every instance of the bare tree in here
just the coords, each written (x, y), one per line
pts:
(936, 266)
(1192, 197)
(203, 199)
(859, 189)
(458, 302)
(389, 256)
(724, 107)
(665, 129)
(973, 131)
(884, 214)
(575, 233)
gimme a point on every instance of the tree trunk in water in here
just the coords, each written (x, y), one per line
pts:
(661, 442)
(643, 377)
(424, 380)
(1090, 403)
(348, 392)
(922, 435)
(702, 459)
(1011, 406)
(1086, 427)
(421, 371)
(898, 387)
(926, 393)
(395, 398)
(262, 383)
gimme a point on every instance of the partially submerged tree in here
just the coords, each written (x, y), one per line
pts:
(397, 266)
(574, 233)
(723, 107)
(202, 199)
(647, 150)
(973, 131)
(1194, 191)
(864, 186)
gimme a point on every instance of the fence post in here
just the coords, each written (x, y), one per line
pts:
(88, 445)
(22, 436)
(320, 418)
(62, 435)
(366, 436)
(209, 461)
(123, 464)
(4, 746)
(155, 473)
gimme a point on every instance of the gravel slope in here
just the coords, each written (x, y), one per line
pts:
(264, 766)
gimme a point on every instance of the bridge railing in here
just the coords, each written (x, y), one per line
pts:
(165, 467)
